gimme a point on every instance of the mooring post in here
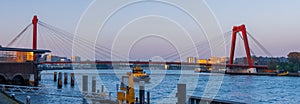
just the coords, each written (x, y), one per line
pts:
(65, 78)
(72, 79)
(93, 84)
(27, 100)
(55, 76)
(84, 83)
(142, 92)
(59, 83)
(117, 87)
(181, 93)
(148, 97)
(136, 99)
(102, 90)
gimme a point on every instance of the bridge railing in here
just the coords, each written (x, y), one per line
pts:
(28, 90)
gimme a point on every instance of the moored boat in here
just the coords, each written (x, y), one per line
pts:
(283, 74)
(139, 74)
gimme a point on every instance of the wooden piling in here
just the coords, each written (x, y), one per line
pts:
(65, 78)
(148, 97)
(59, 83)
(72, 79)
(55, 76)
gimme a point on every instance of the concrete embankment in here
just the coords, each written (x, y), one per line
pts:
(6, 99)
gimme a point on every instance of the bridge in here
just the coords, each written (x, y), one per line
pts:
(60, 37)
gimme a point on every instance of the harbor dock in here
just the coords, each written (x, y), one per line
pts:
(6, 99)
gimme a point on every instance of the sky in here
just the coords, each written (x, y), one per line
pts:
(272, 22)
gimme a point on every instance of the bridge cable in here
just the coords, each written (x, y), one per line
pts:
(20, 34)
(80, 39)
(260, 45)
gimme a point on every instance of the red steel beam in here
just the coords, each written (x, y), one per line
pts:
(34, 40)
(235, 30)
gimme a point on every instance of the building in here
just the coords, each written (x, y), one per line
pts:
(191, 59)
(219, 60)
(75, 59)
(260, 60)
(18, 67)
(294, 56)
(15, 56)
(214, 60)
(53, 58)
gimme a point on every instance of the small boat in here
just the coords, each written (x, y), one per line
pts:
(283, 74)
(139, 74)
(198, 70)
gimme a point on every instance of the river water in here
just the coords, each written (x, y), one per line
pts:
(163, 86)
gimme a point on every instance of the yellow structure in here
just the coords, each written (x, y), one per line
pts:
(130, 91)
(121, 96)
(203, 61)
(129, 96)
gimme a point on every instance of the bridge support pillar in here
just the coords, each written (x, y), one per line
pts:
(235, 30)
(252, 70)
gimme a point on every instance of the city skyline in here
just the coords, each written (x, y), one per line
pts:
(273, 23)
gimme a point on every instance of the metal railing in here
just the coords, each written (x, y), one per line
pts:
(29, 90)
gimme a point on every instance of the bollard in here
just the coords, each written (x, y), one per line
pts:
(12, 96)
(84, 83)
(65, 78)
(136, 99)
(93, 84)
(98, 93)
(142, 92)
(148, 97)
(55, 74)
(72, 79)
(181, 93)
(59, 82)
(28, 100)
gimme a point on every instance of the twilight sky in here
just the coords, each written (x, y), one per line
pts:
(275, 23)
